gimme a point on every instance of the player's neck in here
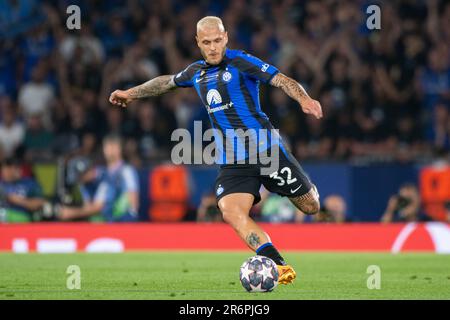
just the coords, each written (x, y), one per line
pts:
(114, 165)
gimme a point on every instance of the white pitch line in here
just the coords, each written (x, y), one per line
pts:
(403, 236)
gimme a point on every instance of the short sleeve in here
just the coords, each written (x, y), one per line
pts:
(130, 179)
(184, 78)
(254, 67)
(101, 193)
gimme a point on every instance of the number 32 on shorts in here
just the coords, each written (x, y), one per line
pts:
(281, 180)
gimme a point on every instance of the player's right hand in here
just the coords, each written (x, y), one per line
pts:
(313, 107)
(120, 98)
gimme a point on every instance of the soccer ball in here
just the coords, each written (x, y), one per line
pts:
(259, 274)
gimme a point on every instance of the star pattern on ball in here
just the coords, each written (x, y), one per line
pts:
(245, 272)
(266, 272)
(257, 274)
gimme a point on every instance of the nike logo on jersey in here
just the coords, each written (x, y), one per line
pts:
(208, 78)
(293, 191)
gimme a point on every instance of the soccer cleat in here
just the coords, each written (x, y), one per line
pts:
(286, 274)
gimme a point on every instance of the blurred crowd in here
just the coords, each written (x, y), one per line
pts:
(385, 93)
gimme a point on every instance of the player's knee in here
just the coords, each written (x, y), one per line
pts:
(311, 206)
(231, 214)
(232, 217)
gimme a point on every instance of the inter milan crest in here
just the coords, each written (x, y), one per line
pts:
(226, 76)
(219, 190)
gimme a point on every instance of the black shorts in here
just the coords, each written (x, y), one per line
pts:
(289, 180)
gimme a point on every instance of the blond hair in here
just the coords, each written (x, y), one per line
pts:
(210, 22)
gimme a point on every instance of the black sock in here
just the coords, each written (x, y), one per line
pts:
(269, 251)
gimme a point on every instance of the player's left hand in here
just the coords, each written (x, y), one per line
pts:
(16, 199)
(313, 107)
(64, 213)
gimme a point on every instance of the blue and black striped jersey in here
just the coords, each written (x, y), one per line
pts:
(230, 93)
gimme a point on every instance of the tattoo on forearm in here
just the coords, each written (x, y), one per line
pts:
(253, 240)
(154, 87)
(291, 87)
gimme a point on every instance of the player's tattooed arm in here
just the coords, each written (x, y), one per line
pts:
(152, 88)
(295, 90)
(290, 86)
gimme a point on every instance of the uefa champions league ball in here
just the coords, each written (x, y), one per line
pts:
(259, 274)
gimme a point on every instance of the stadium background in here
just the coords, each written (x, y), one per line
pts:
(385, 94)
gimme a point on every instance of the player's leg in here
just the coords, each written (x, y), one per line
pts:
(308, 203)
(237, 191)
(291, 181)
(235, 209)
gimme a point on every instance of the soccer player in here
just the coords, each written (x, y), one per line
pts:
(227, 81)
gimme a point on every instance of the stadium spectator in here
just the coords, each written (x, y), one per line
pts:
(439, 135)
(89, 180)
(275, 209)
(38, 140)
(208, 210)
(133, 156)
(87, 46)
(18, 16)
(333, 210)
(116, 36)
(404, 206)
(145, 133)
(37, 96)
(435, 78)
(12, 130)
(20, 197)
(110, 194)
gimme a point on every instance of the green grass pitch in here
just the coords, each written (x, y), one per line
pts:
(215, 275)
